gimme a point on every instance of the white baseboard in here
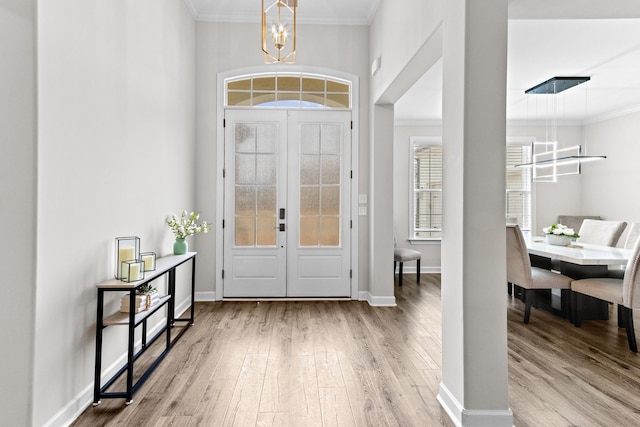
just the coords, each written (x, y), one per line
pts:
(462, 417)
(205, 296)
(72, 410)
(412, 269)
(374, 301)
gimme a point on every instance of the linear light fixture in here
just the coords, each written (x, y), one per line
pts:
(558, 161)
(278, 20)
(552, 163)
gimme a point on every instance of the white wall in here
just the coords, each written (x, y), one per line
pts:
(397, 34)
(610, 186)
(116, 155)
(229, 46)
(17, 207)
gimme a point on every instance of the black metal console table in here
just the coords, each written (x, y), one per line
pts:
(165, 265)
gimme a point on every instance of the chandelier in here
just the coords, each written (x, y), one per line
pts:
(278, 42)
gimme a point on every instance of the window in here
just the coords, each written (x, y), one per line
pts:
(426, 184)
(288, 90)
(426, 177)
(518, 185)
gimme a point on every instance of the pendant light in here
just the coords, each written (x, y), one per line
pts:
(279, 31)
(549, 161)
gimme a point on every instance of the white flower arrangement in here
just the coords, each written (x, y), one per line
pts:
(185, 225)
(560, 230)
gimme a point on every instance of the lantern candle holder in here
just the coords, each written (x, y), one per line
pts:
(149, 259)
(126, 249)
(132, 271)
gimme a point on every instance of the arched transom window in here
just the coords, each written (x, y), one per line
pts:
(288, 90)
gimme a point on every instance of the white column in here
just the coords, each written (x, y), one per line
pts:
(381, 208)
(18, 192)
(474, 387)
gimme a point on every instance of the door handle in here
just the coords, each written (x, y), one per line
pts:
(281, 227)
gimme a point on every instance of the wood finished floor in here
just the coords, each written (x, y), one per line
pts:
(344, 363)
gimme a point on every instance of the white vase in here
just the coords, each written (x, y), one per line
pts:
(556, 240)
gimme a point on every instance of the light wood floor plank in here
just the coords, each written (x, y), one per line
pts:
(243, 407)
(336, 411)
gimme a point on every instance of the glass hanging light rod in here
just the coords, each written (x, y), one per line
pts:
(559, 159)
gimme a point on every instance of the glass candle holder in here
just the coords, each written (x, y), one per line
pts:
(132, 271)
(149, 259)
(126, 249)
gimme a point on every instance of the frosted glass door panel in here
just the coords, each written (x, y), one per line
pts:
(256, 165)
(319, 185)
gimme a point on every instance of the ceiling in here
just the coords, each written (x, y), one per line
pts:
(541, 45)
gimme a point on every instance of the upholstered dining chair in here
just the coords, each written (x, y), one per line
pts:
(633, 234)
(623, 292)
(403, 255)
(599, 232)
(530, 279)
(575, 221)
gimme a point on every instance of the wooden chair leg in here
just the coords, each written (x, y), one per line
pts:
(400, 275)
(565, 303)
(529, 300)
(620, 316)
(628, 324)
(577, 309)
(418, 267)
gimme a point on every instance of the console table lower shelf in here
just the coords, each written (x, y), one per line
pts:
(165, 265)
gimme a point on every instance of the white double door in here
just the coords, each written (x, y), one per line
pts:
(287, 229)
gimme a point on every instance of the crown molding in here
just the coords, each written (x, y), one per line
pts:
(252, 19)
(372, 12)
(614, 114)
(192, 8)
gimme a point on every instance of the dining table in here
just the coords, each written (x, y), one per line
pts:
(578, 261)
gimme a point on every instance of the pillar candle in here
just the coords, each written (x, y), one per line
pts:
(148, 263)
(134, 270)
(126, 254)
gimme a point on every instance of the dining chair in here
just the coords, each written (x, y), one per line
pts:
(510, 220)
(623, 292)
(633, 233)
(575, 221)
(403, 255)
(530, 279)
(599, 232)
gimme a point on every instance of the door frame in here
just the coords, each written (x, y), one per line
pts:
(355, 150)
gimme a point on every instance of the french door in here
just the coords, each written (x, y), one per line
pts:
(287, 229)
